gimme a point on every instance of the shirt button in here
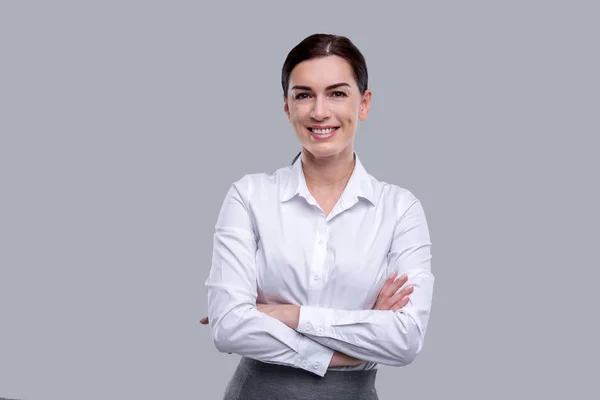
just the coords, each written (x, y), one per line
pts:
(307, 327)
(304, 363)
(320, 330)
(321, 242)
(316, 277)
(315, 366)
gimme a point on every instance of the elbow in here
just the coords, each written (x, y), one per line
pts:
(219, 337)
(222, 336)
(221, 340)
(405, 356)
(227, 330)
(412, 351)
(406, 351)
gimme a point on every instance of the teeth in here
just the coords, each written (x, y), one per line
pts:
(323, 131)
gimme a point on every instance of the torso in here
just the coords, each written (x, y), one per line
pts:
(323, 248)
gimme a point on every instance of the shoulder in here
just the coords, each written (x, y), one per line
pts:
(394, 197)
(251, 184)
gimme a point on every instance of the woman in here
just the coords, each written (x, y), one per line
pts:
(303, 277)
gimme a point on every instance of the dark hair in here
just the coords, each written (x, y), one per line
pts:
(323, 45)
(295, 158)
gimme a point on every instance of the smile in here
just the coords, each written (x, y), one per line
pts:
(323, 133)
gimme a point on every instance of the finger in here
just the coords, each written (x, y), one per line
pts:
(403, 302)
(388, 291)
(204, 321)
(391, 301)
(393, 288)
(388, 282)
(399, 283)
(398, 296)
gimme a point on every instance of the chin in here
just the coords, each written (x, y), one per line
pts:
(324, 150)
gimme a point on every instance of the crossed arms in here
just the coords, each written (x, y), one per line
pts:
(315, 338)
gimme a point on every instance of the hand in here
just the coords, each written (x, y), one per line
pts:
(387, 300)
(343, 360)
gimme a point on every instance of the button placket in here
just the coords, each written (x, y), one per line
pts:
(319, 256)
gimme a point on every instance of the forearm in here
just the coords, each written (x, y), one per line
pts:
(267, 332)
(386, 337)
(389, 342)
(289, 315)
(381, 336)
(241, 329)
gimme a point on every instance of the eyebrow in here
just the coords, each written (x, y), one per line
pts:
(334, 86)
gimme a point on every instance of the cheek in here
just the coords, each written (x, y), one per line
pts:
(297, 121)
(349, 115)
(345, 109)
(297, 113)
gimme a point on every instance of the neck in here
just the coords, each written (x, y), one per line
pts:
(331, 171)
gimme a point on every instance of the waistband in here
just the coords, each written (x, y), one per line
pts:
(364, 376)
(257, 380)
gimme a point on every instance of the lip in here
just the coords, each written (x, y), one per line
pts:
(323, 137)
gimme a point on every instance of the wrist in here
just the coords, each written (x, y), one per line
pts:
(293, 316)
(289, 314)
(343, 360)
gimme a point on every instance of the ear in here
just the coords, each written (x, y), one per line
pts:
(365, 105)
(286, 108)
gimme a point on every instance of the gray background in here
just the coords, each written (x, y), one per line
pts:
(123, 124)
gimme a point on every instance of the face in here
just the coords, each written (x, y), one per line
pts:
(324, 106)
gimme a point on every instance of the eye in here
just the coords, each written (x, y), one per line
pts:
(301, 96)
(339, 94)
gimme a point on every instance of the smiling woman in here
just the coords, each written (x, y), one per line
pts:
(320, 272)
(324, 82)
(325, 115)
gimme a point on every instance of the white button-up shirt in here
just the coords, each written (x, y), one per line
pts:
(273, 244)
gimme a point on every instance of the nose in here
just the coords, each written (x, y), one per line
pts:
(320, 110)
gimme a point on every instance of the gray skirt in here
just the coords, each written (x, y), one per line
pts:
(256, 380)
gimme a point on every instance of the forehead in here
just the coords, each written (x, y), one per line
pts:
(322, 72)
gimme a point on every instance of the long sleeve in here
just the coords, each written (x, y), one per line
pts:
(386, 337)
(237, 326)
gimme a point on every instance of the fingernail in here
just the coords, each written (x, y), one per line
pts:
(404, 276)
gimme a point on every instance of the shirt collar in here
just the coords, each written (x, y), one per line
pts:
(359, 185)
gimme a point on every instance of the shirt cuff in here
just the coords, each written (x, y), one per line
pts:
(315, 321)
(313, 356)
